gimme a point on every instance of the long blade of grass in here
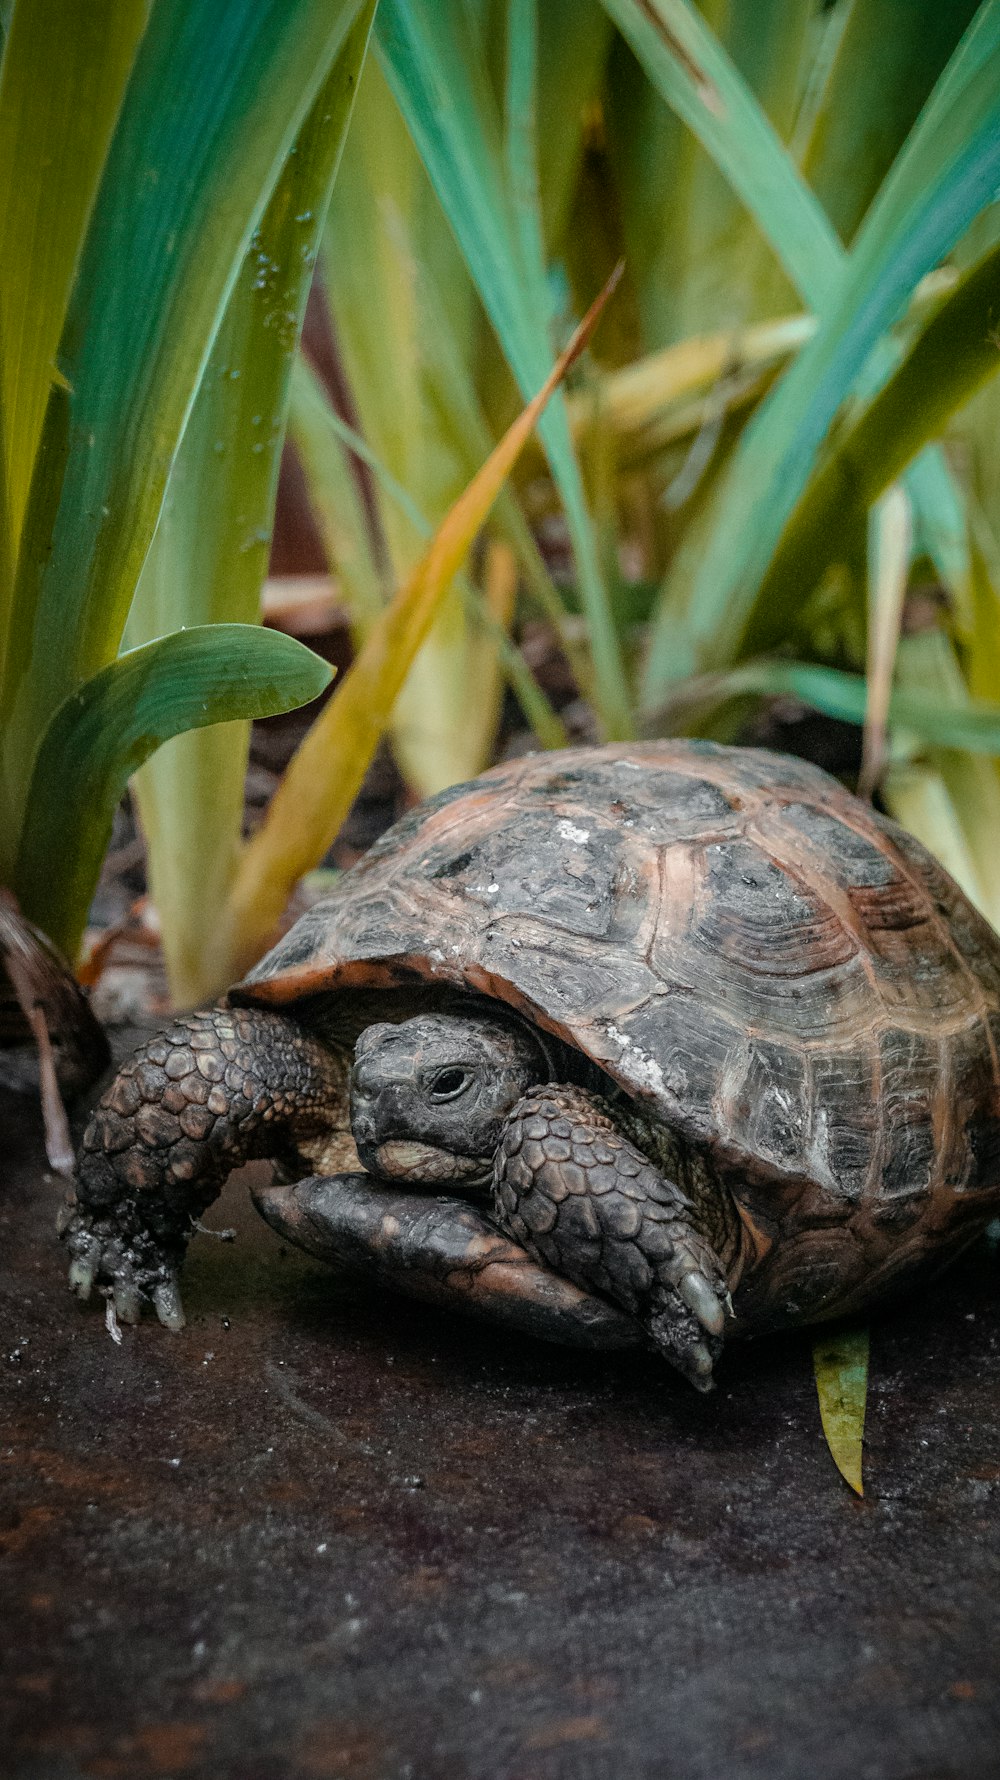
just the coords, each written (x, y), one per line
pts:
(6, 584)
(334, 495)
(549, 729)
(573, 43)
(885, 59)
(954, 355)
(183, 187)
(520, 132)
(890, 540)
(941, 528)
(689, 67)
(687, 64)
(972, 724)
(212, 673)
(950, 796)
(61, 84)
(947, 172)
(209, 556)
(447, 102)
(323, 777)
(840, 1362)
(400, 298)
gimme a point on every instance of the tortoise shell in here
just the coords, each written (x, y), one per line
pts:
(784, 975)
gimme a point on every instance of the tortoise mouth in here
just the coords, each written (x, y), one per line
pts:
(424, 1163)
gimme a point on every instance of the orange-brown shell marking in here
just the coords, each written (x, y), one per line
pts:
(786, 976)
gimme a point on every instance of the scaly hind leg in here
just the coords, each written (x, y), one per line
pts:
(588, 1203)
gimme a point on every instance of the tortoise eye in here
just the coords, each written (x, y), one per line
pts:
(448, 1083)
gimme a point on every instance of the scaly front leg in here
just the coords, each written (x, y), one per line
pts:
(587, 1202)
(215, 1090)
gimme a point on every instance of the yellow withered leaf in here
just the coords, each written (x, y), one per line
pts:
(840, 1361)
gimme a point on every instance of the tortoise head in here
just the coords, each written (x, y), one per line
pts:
(429, 1097)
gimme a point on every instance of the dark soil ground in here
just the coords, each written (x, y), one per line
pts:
(325, 1533)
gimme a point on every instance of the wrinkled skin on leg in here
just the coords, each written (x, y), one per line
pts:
(589, 1238)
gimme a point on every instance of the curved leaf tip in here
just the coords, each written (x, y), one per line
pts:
(211, 673)
(840, 1361)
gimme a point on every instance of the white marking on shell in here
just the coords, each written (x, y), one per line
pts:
(644, 1067)
(784, 1099)
(577, 835)
(818, 1153)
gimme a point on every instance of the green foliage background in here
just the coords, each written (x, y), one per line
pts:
(787, 423)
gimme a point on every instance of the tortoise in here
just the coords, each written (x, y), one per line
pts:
(678, 1040)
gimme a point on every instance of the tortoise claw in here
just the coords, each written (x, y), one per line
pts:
(128, 1266)
(699, 1367)
(126, 1296)
(82, 1274)
(702, 1298)
(168, 1306)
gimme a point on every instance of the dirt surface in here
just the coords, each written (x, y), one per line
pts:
(327, 1533)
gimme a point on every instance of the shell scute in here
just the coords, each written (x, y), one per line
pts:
(764, 920)
(534, 870)
(845, 1123)
(914, 1106)
(772, 1103)
(861, 861)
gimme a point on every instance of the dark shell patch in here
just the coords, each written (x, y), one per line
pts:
(858, 861)
(756, 914)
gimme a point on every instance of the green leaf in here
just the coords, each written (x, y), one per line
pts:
(694, 250)
(64, 71)
(691, 70)
(184, 185)
(323, 777)
(550, 731)
(948, 170)
(950, 797)
(444, 93)
(688, 66)
(886, 59)
(973, 725)
(951, 358)
(890, 545)
(209, 556)
(840, 1361)
(106, 729)
(402, 301)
